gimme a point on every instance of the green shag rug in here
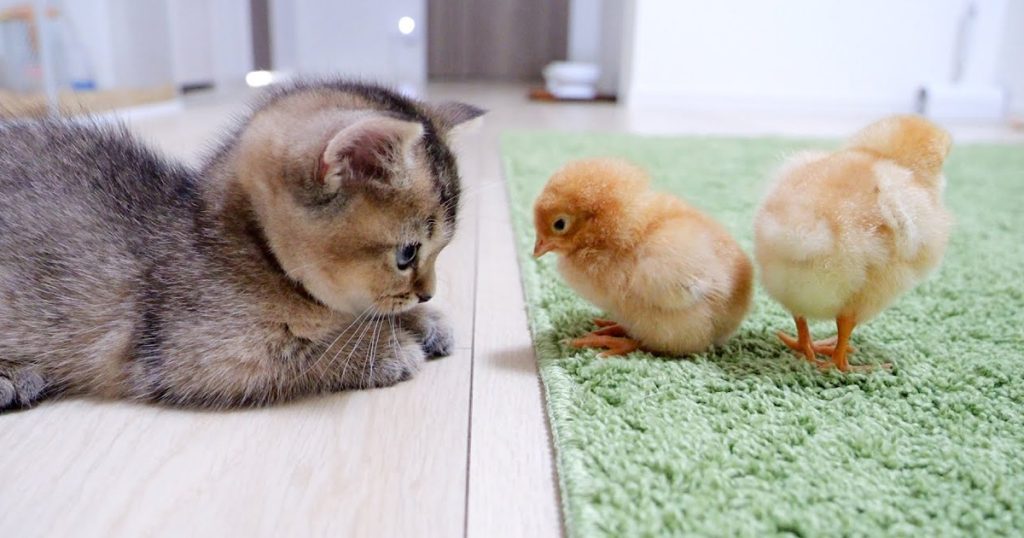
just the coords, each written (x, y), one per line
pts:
(748, 439)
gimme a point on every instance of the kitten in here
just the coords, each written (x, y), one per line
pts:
(294, 261)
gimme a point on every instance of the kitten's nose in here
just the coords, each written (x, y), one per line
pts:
(424, 297)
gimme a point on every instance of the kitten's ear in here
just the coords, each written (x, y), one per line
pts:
(454, 118)
(368, 151)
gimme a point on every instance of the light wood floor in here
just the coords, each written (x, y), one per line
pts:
(462, 449)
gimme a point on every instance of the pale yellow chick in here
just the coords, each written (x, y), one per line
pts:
(841, 235)
(672, 278)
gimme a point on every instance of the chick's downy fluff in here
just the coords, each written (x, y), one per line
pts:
(673, 279)
(841, 235)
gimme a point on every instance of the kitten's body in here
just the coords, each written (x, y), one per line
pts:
(123, 275)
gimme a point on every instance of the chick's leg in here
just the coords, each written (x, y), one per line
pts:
(610, 330)
(615, 345)
(844, 328)
(608, 327)
(802, 343)
(798, 344)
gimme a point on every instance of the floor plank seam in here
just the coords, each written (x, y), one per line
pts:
(472, 367)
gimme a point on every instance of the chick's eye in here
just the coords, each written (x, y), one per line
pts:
(558, 225)
(405, 255)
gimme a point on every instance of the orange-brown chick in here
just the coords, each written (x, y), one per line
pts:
(841, 235)
(672, 278)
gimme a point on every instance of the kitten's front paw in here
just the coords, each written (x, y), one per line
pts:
(395, 364)
(439, 342)
(20, 388)
(432, 329)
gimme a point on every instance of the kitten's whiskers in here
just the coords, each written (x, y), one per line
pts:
(348, 358)
(375, 342)
(323, 354)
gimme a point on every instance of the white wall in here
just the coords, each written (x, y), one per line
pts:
(828, 55)
(595, 36)
(231, 40)
(211, 41)
(584, 30)
(1011, 66)
(352, 38)
(284, 39)
(141, 43)
(191, 25)
(90, 24)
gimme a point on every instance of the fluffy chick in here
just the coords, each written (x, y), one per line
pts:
(841, 235)
(673, 279)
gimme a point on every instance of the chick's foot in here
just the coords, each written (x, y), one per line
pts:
(614, 345)
(604, 322)
(802, 344)
(841, 348)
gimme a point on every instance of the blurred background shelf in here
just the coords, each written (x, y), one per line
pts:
(74, 103)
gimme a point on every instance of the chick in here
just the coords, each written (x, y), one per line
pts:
(841, 235)
(672, 278)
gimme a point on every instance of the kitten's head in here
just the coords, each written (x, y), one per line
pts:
(356, 192)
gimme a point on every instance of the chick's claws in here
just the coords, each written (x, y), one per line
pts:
(805, 349)
(614, 345)
(823, 347)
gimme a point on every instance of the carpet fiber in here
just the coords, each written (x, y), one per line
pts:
(748, 439)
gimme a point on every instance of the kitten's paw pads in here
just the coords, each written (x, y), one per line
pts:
(395, 367)
(20, 388)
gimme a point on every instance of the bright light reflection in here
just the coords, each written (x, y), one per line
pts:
(406, 25)
(255, 79)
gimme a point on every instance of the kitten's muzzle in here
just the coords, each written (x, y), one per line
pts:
(423, 297)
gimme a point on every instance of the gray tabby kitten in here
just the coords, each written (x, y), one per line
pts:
(293, 262)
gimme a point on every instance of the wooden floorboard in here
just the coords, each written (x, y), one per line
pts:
(512, 488)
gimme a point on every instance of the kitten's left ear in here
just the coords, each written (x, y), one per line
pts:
(454, 118)
(367, 151)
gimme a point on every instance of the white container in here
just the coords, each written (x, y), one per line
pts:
(572, 80)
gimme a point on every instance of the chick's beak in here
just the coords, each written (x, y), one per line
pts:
(541, 247)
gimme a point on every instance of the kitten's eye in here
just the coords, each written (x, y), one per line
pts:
(560, 224)
(406, 255)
